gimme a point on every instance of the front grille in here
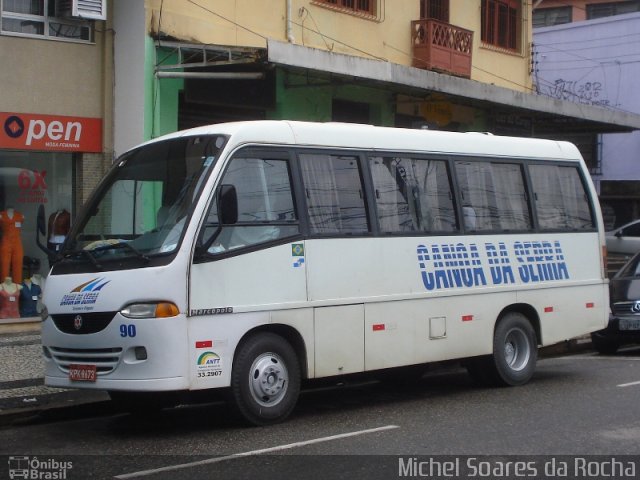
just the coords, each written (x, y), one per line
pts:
(105, 359)
(626, 308)
(91, 322)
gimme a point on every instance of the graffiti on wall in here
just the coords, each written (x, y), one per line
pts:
(588, 93)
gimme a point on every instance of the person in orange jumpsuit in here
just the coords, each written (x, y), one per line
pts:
(11, 251)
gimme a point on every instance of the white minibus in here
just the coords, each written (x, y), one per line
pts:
(253, 256)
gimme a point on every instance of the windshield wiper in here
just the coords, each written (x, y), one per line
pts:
(87, 254)
(133, 249)
(126, 245)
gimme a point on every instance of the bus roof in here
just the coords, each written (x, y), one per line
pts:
(368, 137)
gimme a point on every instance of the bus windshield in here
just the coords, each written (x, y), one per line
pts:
(141, 208)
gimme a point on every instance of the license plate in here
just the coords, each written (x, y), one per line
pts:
(82, 373)
(629, 324)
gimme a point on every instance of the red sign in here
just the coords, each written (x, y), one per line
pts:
(32, 131)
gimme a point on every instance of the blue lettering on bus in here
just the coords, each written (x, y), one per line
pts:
(540, 261)
(454, 265)
(499, 264)
(459, 265)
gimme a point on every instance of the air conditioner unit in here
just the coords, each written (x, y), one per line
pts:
(87, 9)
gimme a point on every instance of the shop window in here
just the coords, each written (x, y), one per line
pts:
(28, 180)
(354, 6)
(500, 23)
(42, 18)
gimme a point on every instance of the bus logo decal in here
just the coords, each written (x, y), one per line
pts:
(208, 358)
(209, 364)
(84, 294)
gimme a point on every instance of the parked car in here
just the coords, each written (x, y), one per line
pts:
(624, 239)
(624, 319)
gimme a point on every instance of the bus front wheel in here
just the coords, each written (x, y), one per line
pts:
(265, 380)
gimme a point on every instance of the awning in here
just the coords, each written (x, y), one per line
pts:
(546, 115)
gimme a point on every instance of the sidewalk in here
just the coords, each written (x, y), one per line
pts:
(22, 390)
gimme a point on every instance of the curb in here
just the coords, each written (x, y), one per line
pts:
(26, 326)
(67, 403)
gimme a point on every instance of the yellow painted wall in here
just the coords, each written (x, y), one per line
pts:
(386, 37)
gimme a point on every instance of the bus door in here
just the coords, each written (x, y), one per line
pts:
(250, 263)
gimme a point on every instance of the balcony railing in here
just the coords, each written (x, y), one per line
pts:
(442, 47)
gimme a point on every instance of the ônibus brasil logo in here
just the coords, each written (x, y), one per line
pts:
(85, 294)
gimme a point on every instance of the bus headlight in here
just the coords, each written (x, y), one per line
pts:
(150, 310)
(44, 313)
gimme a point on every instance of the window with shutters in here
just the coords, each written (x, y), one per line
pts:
(500, 23)
(366, 7)
(70, 20)
(435, 9)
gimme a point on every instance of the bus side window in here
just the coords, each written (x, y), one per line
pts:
(266, 211)
(335, 196)
(561, 199)
(412, 195)
(493, 196)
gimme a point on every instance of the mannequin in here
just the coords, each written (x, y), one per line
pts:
(9, 298)
(29, 296)
(58, 228)
(11, 251)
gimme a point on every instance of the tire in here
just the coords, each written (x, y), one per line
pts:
(265, 380)
(515, 351)
(604, 345)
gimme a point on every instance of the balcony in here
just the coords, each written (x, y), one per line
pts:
(441, 47)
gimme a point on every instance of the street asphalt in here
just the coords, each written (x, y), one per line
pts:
(24, 395)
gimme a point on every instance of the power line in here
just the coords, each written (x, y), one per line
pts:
(596, 39)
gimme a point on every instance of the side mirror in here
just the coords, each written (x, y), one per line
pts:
(618, 234)
(41, 229)
(227, 210)
(227, 205)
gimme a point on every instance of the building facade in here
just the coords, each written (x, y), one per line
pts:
(597, 62)
(55, 114)
(445, 64)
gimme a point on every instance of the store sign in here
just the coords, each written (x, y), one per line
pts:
(29, 131)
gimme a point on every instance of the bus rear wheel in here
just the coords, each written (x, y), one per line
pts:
(265, 380)
(515, 352)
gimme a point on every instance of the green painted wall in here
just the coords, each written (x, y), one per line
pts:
(299, 97)
(161, 96)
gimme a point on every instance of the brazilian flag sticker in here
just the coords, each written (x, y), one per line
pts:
(297, 250)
